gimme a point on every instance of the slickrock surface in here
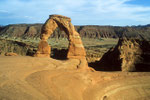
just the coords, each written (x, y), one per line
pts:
(33, 78)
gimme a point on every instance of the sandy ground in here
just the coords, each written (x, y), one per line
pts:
(29, 78)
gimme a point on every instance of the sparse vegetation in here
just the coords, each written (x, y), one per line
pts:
(95, 48)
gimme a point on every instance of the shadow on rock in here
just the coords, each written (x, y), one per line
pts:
(59, 54)
(129, 55)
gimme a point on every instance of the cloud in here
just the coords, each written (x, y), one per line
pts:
(3, 11)
(101, 12)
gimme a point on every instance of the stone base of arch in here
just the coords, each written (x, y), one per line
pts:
(44, 49)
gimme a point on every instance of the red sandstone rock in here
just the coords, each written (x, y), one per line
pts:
(129, 55)
(10, 54)
(75, 49)
(43, 49)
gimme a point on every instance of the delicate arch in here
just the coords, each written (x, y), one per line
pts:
(75, 49)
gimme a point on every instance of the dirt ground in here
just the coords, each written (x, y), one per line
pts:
(29, 78)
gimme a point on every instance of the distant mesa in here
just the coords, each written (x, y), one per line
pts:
(26, 31)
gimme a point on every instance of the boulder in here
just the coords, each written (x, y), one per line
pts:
(10, 54)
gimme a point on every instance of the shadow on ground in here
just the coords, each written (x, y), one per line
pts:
(59, 54)
(100, 66)
(106, 66)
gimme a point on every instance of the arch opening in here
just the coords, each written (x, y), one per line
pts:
(59, 44)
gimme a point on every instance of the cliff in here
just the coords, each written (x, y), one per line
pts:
(89, 31)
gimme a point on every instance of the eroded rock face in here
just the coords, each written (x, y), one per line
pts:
(75, 49)
(128, 55)
(135, 55)
(43, 49)
(89, 31)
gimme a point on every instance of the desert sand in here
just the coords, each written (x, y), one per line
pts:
(32, 78)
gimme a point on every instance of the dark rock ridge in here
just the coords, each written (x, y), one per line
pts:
(21, 30)
(128, 55)
(89, 31)
(20, 48)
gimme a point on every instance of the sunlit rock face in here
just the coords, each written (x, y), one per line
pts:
(128, 55)
(135, 55)
(75, 49)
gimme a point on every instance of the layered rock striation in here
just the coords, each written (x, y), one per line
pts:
(88, 31)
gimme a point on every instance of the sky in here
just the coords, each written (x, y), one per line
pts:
(82, 12)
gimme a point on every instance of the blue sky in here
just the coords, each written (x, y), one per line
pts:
(82, 12)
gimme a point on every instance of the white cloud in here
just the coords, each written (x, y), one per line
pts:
(3, 11)
(114, 12)
(29, 17)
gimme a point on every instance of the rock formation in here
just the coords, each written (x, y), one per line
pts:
(128, 55)
(89, 31)
(75, 49)
(10, 54)
(43, 49)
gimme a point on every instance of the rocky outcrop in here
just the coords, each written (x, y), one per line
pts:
(10, 54)
(128, 55)
(89, 31)
(75, 49)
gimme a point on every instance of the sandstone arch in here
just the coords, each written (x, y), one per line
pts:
(75, 49)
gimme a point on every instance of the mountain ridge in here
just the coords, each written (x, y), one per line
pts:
(85, 31)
